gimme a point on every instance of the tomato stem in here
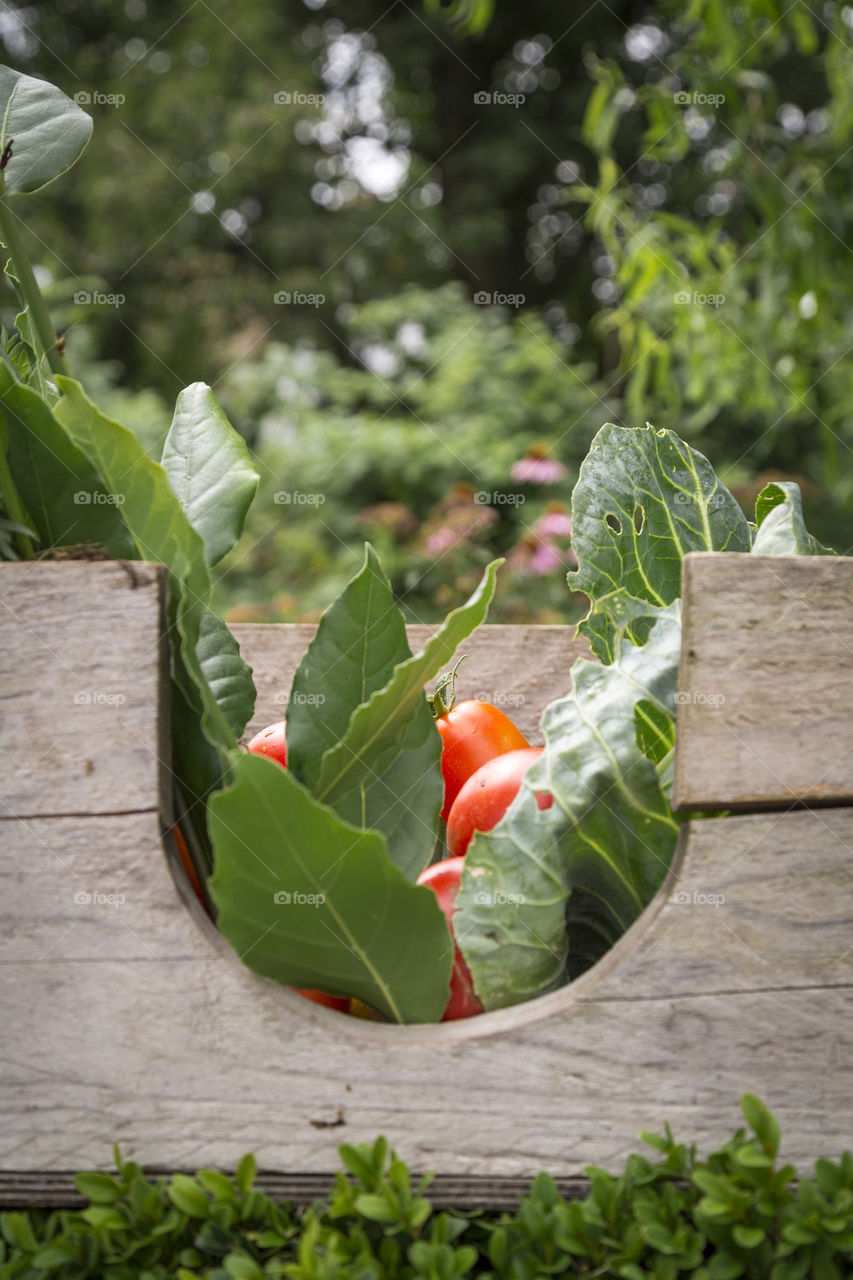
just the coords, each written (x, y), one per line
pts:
(443, 698)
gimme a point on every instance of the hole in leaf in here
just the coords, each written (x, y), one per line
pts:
(613, 522)
(639, 517)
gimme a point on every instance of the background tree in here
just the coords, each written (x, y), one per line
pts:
(661, 194)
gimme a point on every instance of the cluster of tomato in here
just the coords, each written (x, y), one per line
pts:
(484, 757)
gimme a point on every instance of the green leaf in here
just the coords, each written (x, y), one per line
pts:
(724, 1266)
(160, 531)
(643, 500)
(747, 1237)
(210, 469)
(376, 724)
(346, 920)
(360, 640)
(550, 890)
(616, 613)
(48, 131)
(781, 526)
(53, 1257)
(187, 1195)
(17, 1229)
(100, 1188)
(241, 1267)
(762, 1122)
(229, 677)
(246, 1170)
(375, 1207)
(655, 731)
(65, 496)
(218, 1184)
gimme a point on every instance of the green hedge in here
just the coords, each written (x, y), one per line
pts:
(735, 1213)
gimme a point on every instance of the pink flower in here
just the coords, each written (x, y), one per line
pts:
(538, 470)
(546, 557)
(441, 540)
(555, 524)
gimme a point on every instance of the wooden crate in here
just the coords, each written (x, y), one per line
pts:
(125, 1016)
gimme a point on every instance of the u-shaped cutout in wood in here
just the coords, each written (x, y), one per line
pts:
(132, 1020)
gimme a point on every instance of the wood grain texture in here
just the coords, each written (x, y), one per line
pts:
(766, 683)
(126, 1016)
(82, 657)
(520, 669)
(135, 1022)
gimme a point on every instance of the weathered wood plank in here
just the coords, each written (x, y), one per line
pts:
(766, 682)
(82, 660)
(761, 900)
(520, 669)
(142, 1026)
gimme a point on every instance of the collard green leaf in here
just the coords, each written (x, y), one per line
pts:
(612, 615)
(210, 470)
(655, 730)
(359, 642)
(644, 499)
(47, 130)
(312, 901)
(65, 496)
(376, 724)
(546, 892)
(781, 526)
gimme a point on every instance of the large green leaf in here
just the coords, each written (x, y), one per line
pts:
(160, 531)
(612, 615)
(644, 499)
(210, 469)
(360, 640)
(312, 901)
(65, 496)
(47, 130)
(546, 892)
(376, 725)
(781, 526)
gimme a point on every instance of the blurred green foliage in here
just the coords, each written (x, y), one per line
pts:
(415, 452)
(662, 194)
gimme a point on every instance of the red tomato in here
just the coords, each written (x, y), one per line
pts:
(270, 742)
(443, 878)
(187, 862)
(472, 733)
(484, 799)
(340, 1003)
